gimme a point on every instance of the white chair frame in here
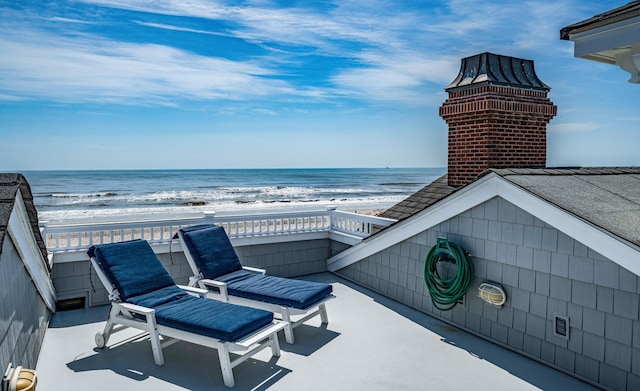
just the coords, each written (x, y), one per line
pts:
(123, 315)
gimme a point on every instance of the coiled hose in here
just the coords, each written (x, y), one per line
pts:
(444, 292)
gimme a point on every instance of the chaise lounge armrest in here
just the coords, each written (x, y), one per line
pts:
(199, 292)
(255, 270)
(132, 309)
(211, 286)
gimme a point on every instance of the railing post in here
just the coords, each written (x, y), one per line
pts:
(42, 225)
(332, 210)
(209, 216)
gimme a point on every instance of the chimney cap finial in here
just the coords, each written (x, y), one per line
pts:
(489, 68)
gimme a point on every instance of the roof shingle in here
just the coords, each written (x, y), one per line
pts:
(10, 183)
(606, 197)
(420, 200)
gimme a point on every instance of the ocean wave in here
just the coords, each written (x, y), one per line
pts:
(83, 195)
(221, 208)
(400, 184)
(222, 194)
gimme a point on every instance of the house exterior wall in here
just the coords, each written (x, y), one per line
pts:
(544, 273)
(286, 259)
(23, 322)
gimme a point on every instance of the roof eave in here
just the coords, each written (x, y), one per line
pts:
(615, 42)
(627, 11)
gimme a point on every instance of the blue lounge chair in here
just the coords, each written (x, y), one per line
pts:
(144, 296)
(216, 267)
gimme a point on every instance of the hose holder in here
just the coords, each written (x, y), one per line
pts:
(446, 292)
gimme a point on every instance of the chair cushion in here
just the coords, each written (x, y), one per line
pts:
(287, 292)
(132, 267)
(158, 297)
(212, 318)
(211, 250)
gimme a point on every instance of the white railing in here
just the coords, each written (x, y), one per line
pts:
(61, 237)
(357, 224)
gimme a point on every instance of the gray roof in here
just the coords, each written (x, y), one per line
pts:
(10, 183)
(627, 11)
(608, 198)
(420, 200)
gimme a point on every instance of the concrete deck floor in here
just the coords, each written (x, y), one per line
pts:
(370, 343)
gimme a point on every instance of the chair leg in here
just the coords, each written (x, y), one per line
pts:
(225, 365)
(108, 328)
(275, 345)
(323, 313)
(288, 331)
(154, 336)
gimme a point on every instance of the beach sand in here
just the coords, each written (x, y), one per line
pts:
(368, 212)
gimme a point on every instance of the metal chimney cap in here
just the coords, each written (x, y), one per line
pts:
(496, 69)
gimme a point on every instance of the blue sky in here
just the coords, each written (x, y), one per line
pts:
(117, 84)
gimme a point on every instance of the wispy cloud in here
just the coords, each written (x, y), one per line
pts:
(163, 26)
(404, 79)
(574, 127)
(92, 69)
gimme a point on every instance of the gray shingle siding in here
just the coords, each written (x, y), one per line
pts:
(544, 273)
(23, 316)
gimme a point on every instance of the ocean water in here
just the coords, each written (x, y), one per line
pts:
(63, 195)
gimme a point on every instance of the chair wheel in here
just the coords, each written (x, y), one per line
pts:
(99, 340)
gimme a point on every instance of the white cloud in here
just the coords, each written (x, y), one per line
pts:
(178, 28)
(574, 127)
(44, 66)
(404, 79)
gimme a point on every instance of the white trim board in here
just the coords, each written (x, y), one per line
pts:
(492, 185)
(611, 36)
(19, 230)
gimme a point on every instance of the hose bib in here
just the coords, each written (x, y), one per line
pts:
(445, 292)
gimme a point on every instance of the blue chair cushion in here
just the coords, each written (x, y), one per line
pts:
(287, 292)
(158, 297)
(132, 267)
(212, 318)
(211, 250)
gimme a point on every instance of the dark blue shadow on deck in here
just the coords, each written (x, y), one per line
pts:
(187, 365)
(309, 339)
(62, 319)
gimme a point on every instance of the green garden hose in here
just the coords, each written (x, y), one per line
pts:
(444, 292)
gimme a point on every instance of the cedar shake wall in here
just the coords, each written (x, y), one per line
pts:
(24, 316)
(493, 126)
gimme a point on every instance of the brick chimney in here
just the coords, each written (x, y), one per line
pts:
(497, 113)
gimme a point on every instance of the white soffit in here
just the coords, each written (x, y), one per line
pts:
(492, 185)
(21, 234)
(617, 43)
